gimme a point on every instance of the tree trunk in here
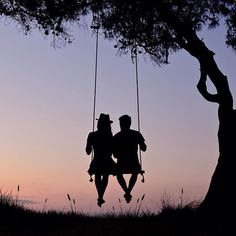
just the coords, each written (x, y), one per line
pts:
(221, 195)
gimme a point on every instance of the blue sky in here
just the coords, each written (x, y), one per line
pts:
(46, 101)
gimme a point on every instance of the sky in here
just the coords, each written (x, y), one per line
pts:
(46, 103)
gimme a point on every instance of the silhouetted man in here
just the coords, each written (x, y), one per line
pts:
(126, 151)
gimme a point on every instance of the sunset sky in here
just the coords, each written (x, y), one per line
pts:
(46, 101)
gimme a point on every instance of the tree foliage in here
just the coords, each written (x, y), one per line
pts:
(156, 27)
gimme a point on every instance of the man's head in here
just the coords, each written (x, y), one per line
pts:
(125, 122)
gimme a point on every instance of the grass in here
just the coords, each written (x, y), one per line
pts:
(178, 218)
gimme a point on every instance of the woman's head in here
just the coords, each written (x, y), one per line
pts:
(104, 122)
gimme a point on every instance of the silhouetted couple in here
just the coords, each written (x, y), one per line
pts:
(123, 146)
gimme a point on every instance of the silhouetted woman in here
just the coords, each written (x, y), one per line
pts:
(221, 194)
(102, 164)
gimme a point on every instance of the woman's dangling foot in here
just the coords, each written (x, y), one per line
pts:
(100, 201)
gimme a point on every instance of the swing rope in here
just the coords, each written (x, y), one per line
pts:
(95, 97)
(138, 108)
(95, 80)
(95, 91)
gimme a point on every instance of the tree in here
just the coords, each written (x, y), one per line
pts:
(157, 28)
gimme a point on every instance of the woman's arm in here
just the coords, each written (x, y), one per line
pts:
(89, 145)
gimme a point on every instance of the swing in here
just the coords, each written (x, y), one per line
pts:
(96, 29)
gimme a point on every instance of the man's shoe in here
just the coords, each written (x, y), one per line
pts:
(127, 197)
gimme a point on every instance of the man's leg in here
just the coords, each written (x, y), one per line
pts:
(122, 182)
(132, 182)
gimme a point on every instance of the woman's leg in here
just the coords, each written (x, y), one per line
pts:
(104, 184)
(98, 184)
(101, 184)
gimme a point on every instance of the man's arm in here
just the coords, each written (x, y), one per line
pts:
(143, 147)
(142, 143)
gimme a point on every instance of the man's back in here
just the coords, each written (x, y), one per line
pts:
(126, 143)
